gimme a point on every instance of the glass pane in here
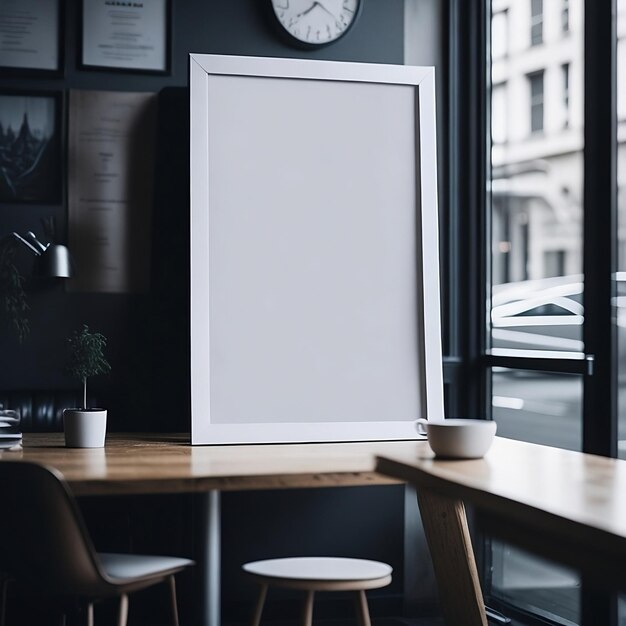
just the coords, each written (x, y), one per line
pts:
(536, 221)
(536, 22)
(535, 585)
(547, 409)
(538, 407)
(620, 303)
(537, 164)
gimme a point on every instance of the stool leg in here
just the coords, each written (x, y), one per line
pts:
(171, 581)
(122, 614)
(258, 609)
(307, 615)
(362, 610)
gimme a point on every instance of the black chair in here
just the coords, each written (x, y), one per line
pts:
(45, 544)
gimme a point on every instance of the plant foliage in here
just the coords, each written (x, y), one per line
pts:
(85, 354)
(13, 304)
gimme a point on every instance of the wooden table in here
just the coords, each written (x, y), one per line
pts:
(167, 463)
(565, 505)
(163, 463)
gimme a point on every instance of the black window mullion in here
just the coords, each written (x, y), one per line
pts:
(569, 364)
(600, 226)
(470, 153)
(600, 258)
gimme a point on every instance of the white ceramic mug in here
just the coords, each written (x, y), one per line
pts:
(458, 438)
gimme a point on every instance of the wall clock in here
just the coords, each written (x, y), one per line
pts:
(313, 23)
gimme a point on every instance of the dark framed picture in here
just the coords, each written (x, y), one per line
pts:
(31, 37)
(31, 147)
(126, 35)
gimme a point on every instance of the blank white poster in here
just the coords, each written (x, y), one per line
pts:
(312, 248)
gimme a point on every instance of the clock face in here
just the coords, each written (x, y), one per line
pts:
(316, 22)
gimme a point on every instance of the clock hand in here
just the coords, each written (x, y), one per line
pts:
(321, 6)
(303, 13)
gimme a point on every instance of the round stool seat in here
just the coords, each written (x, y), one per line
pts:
(321, 573)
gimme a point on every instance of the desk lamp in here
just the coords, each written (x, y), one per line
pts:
(53, 259)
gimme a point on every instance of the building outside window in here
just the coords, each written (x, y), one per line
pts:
(536, 222)
(536, 22)
(536, 265)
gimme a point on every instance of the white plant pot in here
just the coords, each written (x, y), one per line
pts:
(85, 428)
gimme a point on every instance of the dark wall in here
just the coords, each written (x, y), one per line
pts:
(132, 390)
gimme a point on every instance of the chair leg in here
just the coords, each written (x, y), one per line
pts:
(89, 614)
(122, 615)
(362, 610)
(307, 615)
(260, 603)
(173, 604)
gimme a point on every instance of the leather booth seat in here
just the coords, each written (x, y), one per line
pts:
(40, 411)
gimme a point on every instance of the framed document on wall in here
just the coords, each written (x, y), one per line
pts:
(31, 37)
(126, 36)
(31, 147)
(314, 254)
(110, 189)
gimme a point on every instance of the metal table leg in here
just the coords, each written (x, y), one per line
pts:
(208, 558)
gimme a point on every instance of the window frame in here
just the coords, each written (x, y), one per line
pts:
(470, 152)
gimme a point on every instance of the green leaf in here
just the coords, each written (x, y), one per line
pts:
(85, 354)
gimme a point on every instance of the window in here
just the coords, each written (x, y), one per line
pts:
(535, 81)
(565, 80)
(536, 22)
(536, 262)
(564, 16)
(543, 195)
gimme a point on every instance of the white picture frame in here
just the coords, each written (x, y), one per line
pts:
(315, 310)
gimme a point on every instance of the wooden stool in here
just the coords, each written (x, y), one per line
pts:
(319, 574)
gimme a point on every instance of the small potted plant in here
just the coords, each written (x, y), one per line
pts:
(85, 427)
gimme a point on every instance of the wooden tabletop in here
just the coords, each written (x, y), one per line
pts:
(565, 505)
(167, 463)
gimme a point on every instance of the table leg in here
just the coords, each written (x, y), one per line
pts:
(209, 558)
(445, 527)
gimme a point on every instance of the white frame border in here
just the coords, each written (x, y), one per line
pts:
(423, 78)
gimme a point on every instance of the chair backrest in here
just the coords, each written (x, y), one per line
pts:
(42, 536)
